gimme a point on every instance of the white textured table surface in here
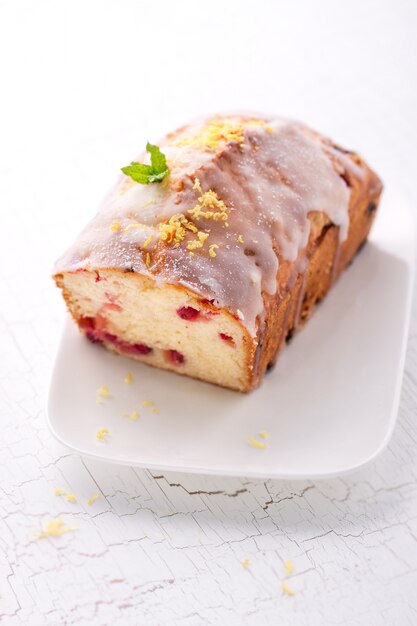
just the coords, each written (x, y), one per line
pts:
(83, 84)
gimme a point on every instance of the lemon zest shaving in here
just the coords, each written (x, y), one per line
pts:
(128, 379)
(222, 130)
(102, 434)
(213, 134)
(264, 434)
(150, 404)
(212, 250)
(289, 569)
(286, 588)
(197, 185)
(245, 563)
(240, 239)
(217, 132)
(148, 260)
(55, 528)
(104, 392)
(198, 243)
(209, 200)
(257, 444)
(115, 226)
(70, 497)
(59, 492)
(173, 232)
(148, 241)
(93, 498)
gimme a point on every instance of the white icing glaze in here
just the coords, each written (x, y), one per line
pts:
(269, 183)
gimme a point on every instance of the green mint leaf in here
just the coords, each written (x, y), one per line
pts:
(144, 174)
(158, 160)
(157, 178)
(139, 172)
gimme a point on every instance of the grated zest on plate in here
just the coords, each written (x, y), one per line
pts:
(103, 434)
(286, 588)
(103, 392)
(257, 444)
(55, 528)
(93, 498)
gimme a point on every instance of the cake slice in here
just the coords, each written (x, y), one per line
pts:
(206, 263)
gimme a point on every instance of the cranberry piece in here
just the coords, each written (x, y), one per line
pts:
(98, 278)
(141, 348)
(133, 348)
(109, 337)
(227, 338)
(188, 313)
(92, 336)
(86, 323)
(176, 357)
(96, 334)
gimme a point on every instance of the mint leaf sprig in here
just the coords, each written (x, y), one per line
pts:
(145, 174)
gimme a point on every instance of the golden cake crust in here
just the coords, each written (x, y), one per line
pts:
(291, 307)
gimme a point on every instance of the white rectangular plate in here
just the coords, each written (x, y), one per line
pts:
(329, 406)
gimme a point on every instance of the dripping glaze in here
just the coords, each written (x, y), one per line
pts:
(270, 181)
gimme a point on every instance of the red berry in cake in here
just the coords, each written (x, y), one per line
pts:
(188, 313)
(86, 323)
(175, 357)
(141, 348)
(109, 337)
(227, 338)
(96, 333)
(92, 336)
(133, 348)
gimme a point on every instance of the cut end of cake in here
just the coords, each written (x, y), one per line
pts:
(162, 325)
